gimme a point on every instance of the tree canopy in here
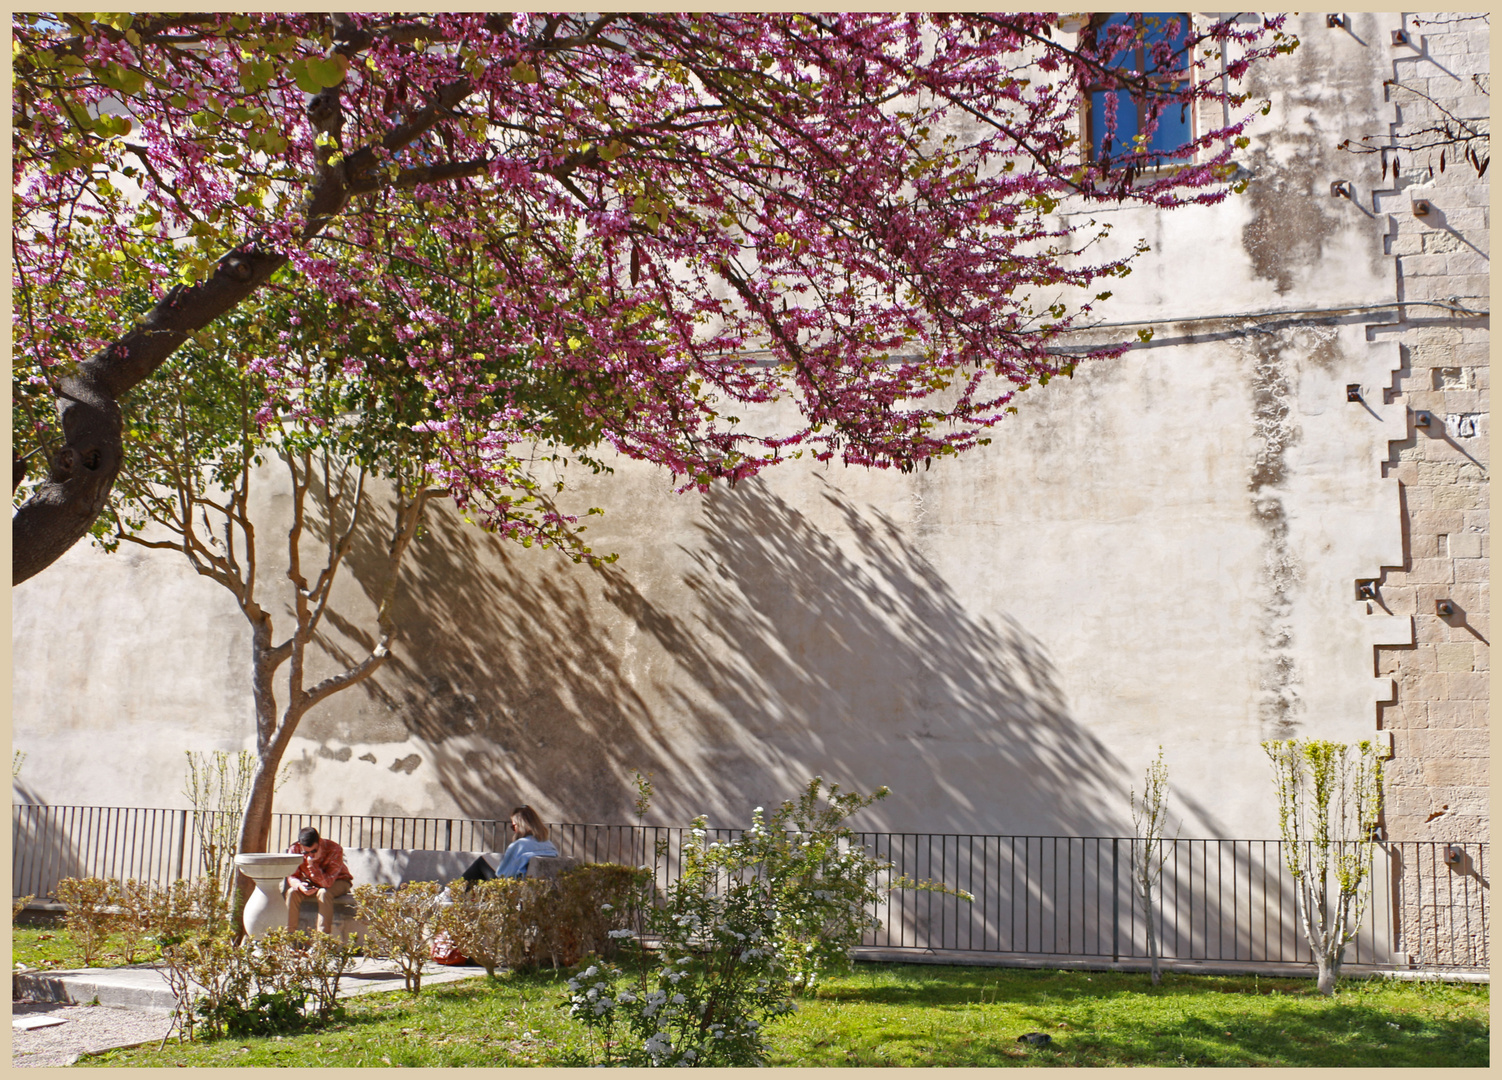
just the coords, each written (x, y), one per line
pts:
(656, 223)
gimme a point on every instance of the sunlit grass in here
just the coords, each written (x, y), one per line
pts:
(54, 947)
(916, 1014)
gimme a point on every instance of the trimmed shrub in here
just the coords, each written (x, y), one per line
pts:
(89, 919)
(595, 900)
(520, 922)
(399, 924)
(281, 982)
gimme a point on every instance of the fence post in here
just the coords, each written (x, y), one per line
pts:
(1115, 904)
(448, 835)
(182, 843)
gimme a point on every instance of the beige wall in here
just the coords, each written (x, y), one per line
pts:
(1163, 549)
(1438, 780)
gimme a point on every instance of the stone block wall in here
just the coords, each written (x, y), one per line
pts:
(1438, 778)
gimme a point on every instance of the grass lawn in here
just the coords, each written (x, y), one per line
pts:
(51, 946)
(921, 1014)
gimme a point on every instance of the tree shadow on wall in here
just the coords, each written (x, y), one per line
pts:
(794, 652)
(504, 671)
(844, 653)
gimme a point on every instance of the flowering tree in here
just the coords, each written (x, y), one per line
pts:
(682, 214)
(347, 435)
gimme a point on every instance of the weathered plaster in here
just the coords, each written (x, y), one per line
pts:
(1160, 550)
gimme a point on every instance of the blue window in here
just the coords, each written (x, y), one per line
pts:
(1134, 108)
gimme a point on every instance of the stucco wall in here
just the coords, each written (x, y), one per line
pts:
(1162, 549)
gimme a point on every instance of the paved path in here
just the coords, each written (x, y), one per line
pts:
(55, 1018)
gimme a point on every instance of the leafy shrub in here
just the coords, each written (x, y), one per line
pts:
(281, 982)
(212, 964)
(17, 905)
(746, 926)
(519, 922)
(145, 912)
(594, 902)
(90, 918)
(321, 964)
(486, 921)
(399, 924)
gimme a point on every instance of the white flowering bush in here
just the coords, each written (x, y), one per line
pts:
(747, 925)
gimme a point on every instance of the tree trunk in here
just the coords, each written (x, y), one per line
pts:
(271, 744)
(1328, 971)
(59, 512)
(1152, 945)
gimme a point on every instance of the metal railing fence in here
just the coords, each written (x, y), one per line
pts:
(1222, 902)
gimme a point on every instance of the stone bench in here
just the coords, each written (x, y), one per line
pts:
(396, 866)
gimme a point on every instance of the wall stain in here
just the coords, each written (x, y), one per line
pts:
(1293, 215)
(1278, 699)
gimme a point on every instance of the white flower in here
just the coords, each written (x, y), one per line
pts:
(621, 933)
(658, 1047)
(591, 971)
(607, 907)
(678, 999)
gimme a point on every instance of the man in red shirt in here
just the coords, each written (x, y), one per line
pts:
(322, 874)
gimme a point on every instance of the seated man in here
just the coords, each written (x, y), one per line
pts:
(322, 874)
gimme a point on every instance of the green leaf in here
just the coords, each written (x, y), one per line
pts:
(328, 72)
(306, 82)
(256, 75)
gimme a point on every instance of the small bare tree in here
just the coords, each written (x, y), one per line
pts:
(1329, 796)
(1149, 815)
(218, 786)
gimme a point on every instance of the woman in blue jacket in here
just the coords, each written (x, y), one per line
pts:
(531, 839)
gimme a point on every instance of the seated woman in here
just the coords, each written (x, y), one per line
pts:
(531, 839)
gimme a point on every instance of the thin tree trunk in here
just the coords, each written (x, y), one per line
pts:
(1152, 944)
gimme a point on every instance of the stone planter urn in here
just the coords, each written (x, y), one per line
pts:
(264, 908)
